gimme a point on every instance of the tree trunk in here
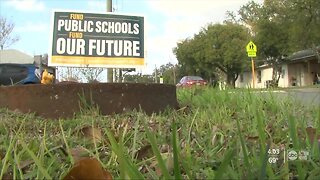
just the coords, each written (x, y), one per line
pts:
(275, 76)
(234, 80)
(231, 80)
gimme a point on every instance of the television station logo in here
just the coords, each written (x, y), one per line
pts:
(300, 155)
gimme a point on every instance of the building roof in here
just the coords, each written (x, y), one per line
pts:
(15, 56)
(304, 54)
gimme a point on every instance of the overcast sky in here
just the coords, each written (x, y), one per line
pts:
(166, 21)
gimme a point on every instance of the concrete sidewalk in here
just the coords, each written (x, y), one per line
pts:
(311, 90)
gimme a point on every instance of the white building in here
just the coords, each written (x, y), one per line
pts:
(301, 69)
(15, 56)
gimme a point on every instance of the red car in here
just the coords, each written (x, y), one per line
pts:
(189, 81)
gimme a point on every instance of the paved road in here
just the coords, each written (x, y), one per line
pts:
(307, 96)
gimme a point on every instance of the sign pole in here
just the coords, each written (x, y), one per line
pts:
(109, 70)
(253, 75)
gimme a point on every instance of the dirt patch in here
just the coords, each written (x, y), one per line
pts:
(64, 100)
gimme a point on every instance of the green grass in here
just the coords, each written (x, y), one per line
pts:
(216, 135)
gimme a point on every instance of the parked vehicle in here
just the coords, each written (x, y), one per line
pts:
(189, 81)
(12, 74)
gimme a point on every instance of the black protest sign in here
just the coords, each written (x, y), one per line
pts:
(97, 40)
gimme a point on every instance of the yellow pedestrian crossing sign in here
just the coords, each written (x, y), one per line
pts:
(251, 49)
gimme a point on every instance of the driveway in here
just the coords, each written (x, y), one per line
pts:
(307, 96)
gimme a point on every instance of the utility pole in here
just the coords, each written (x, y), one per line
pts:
(109, 70)
(120, 75)
(156, 74)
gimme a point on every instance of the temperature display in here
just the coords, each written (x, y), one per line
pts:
(273, 155)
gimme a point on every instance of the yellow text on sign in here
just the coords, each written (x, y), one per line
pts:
(252, 54)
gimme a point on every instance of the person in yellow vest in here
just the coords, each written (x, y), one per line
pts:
(47, 78)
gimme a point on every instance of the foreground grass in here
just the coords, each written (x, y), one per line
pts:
(215, 135)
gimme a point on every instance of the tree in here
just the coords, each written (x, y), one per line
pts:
(248, 15)
(304, 23)
(224, 49)
(214, 50)
(267, 31)
(169, 72)
(191, 57)
(91, 74)
(272, 36)
(69, 74)
(184, 53)
(6, 36)
(138, 78)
